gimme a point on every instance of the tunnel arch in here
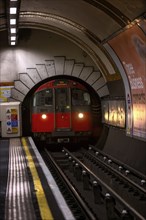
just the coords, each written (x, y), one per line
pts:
(95, 99)
(59, 66)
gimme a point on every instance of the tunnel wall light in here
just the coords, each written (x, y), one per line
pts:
(13, 30)
(13, 21)
(13, 7)
(13, 11)
(13, 42)
(13, 38)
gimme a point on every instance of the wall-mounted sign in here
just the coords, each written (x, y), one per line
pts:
(12, 120)
(5, 93)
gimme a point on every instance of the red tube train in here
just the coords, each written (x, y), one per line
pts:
(61, 112)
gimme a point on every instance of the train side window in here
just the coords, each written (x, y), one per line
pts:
(49, 97)
(37, 99)
(80, 97)
(75, 99)
(62, 97)
(87, 100)
(40, 97)
(34, 100)
(43, 98)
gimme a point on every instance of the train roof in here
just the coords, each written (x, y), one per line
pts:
(61, 83)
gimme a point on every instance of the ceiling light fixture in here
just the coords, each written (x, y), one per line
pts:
(13, 42)
(13, 11)
(13, 21)
(13, 30)
(13, 38)
(13, 7)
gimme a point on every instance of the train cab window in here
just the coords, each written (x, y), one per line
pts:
(49, 97)
(62, 98)
(80, 97)
(43, 98)
(87, 100)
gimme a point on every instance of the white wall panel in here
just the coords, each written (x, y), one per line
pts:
(34, 75)
(17, 95)
(50, 66)
(103, 91)
(86, 71)
(41, 68)
(59, 65)
(93, 77)
(77, 69)
(26, 80)
(68, 67)
(21, 87)
(99, 83)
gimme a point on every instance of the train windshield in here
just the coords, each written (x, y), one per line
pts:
(62, 97)
(80, 97)
(43, 98)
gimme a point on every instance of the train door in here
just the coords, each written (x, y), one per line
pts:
(62, 109)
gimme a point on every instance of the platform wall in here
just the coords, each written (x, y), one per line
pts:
(126, 149)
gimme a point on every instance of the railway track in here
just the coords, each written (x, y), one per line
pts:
(97, 186)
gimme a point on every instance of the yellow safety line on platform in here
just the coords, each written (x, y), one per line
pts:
(42, 201)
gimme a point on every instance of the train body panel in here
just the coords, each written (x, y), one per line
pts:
(62, 120)
(42, 125)
(81, 124)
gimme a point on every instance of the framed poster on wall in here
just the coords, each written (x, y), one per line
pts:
(105, 111)
(113, 112)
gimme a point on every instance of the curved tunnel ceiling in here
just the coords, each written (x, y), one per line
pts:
(88, 23)
(100, 19)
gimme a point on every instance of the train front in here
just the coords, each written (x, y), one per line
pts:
(62, 112)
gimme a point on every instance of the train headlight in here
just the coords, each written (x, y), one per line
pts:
(80, 115)
(44, 116)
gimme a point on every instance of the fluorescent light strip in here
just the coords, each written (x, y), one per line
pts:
(13, 43)
(13, 10)
(13, 30)
(13, 38)
(13, 21)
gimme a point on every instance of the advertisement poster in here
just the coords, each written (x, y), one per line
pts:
(113, 112)
(117, 113)
(5, 93)
(12, 120)
(105, 111)
(130, 46)
(121, 114)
